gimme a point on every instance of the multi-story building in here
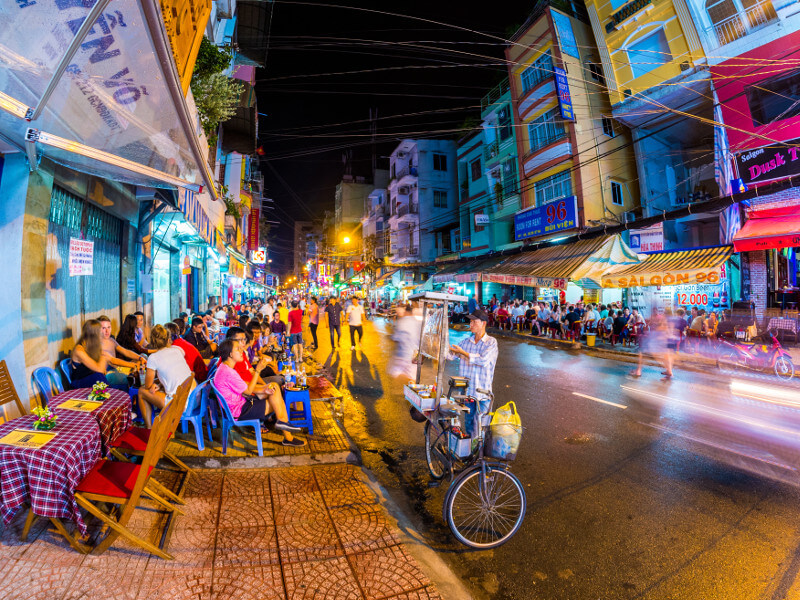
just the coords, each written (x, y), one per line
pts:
(488, 179)
(655, 72)
(302, 231)
(423, 222)
(572, 153)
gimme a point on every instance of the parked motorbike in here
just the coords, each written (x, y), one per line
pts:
(767, 354)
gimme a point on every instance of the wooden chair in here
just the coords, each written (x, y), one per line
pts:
(8, 392)
(122, 484)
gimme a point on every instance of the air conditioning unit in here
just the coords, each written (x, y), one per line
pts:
(629, 217)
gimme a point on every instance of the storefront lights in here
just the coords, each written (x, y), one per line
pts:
(34, 135)
(15, 107)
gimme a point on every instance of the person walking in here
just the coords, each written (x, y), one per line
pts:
(333, 314)
(296, 331)
(313, 320)
(355, 316)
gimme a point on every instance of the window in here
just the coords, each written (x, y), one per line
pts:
(456, 240)
(733, 19)
(775, 99)
(616, 194)
(439, 162)
(477, 228)
(475, 169)
(545, 130)
(540, 69)
(649, 53)
(596, 72)
(608, 127)
(440, 198)
(394, 205)
(553, 188)
(504, 129)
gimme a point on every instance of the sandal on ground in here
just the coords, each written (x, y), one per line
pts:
(294, 442)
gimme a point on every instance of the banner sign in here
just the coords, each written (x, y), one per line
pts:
(481, 219)
(557, 216)
(468, 277)
(648, 239)
(564, 99)
(769, 163)
(259, 257)
(710, 297)
(558, 283)
(252, 229)
(81, 257)
(668, 278)
(194, 212)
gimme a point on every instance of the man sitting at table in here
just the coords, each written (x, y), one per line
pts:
(193, 359)
(111, 348)
(197, 337)
(169, 364)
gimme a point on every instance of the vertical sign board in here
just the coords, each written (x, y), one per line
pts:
(564, 99)
(81, 257)
(648, 239)
(557, 216)
(252, 229)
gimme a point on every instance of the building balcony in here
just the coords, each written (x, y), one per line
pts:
(741, 24)
(491, 152)
(494, 94)
(406, 253)
(549, 152)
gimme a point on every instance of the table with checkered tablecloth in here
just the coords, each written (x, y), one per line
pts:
(46, 477)
(113, 417)
(783, 324)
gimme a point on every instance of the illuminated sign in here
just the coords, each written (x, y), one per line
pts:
(543, 220)
(259, 256)
(564, 99)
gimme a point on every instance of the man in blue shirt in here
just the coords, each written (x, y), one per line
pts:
(334, 314)
(472, 305)
(477, 356)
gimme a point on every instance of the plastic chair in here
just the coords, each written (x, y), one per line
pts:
(47, 380)
(228, 421)
(196, 409)
(302, 417)
(66, 367)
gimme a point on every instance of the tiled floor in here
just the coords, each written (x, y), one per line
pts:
(328, 437)
(290, 533)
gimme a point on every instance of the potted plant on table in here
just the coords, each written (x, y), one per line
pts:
(99, 392)
(45, 418)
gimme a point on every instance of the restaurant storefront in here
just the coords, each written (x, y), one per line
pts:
(699, 278)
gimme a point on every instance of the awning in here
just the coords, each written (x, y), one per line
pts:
(240, 131)
(99, 83)
(466, 272)
(771, 228)
(583, 262)
(387, 275)
(672, 268)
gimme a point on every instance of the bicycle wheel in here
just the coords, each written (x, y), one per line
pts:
(436, 451)
(484, 509)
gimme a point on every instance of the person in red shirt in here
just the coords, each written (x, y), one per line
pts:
(190, 353)
(296, 331)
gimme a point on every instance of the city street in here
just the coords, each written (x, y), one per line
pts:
(615, 509)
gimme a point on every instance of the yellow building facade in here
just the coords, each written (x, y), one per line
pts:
(588, 156)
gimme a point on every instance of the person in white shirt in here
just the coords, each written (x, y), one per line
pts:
(517, 311)
(355, 314)
(220, 314)
(169, 363)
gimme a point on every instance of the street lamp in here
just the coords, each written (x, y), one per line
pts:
(346, 239)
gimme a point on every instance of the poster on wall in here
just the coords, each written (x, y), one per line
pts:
(706, 296)
(81, 257)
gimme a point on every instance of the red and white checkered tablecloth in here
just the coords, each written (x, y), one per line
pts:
(782, 323)
(113, 418)
(47, 477)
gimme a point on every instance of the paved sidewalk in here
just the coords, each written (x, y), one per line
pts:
(282, 533)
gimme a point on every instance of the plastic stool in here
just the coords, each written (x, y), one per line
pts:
(299, 418)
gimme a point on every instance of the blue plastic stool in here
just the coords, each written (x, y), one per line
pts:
(299, 418)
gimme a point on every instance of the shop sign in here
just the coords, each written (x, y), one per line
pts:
(591, 296)
(259, 256)
(648, 239)
(408, 276)
(564, 99)
(196, 215)
(481, 219)
(547, 282)
(770, 163)
(709, 297)
(81, 257)
(252, 229)
(467, 277)
(668, 278)
(557, 216)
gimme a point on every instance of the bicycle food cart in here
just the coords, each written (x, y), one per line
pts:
(485, 503)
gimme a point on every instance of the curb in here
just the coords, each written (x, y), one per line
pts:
(265, 462)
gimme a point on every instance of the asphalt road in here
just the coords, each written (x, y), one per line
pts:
(616, 509)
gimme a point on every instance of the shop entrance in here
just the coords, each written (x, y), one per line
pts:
(161, 289)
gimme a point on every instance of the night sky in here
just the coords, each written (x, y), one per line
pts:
(327, 66)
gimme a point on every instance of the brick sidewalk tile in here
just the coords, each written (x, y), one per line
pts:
(387, 572)
(321, 579)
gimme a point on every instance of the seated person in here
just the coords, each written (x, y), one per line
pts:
(169, 364)
(571, 317)
(111, 348)
(635, 319)
(197, 337)
(127, 337)
(194, 361)
(618, 328)
(255, 351)
(181, 323)
(245, 400)
(698, 323)
(554, 322)
(89, 362)
(245, 370)
(212, 325)
(141, 338)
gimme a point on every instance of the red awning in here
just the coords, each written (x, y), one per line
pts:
(771, 228)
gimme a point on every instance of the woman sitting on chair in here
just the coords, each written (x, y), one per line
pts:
(243, 403)
(169, 363)
(89, 364)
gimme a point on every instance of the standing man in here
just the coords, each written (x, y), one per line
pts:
(355, 314)
(333, 312)
(478, 356)
(296, 331)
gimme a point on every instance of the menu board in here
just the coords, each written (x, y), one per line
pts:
(25, 438)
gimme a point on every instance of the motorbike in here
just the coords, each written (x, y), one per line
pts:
(768, 355)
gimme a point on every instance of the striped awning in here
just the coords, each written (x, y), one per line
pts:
(466, 272)
(672, 268)
(551, 267)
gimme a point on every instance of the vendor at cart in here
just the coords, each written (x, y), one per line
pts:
(478, 356)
